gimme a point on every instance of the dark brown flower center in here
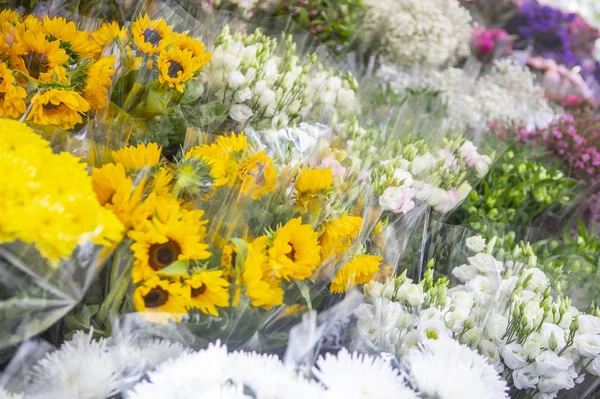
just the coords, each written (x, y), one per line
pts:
(292, 254)
(36, 63)
(162, 255)
(152, 36)
(50, 106)
(174, 68)
(156, 297)
(198, 291)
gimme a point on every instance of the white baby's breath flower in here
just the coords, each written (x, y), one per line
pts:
(360, 376)
(446, 369)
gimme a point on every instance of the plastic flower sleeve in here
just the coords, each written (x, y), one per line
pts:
(47, 266)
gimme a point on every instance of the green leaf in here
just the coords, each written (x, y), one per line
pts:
(177, 267)
(304, 290)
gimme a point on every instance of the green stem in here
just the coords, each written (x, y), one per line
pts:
(118, 286)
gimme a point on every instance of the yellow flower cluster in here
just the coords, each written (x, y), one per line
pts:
(178, 56)
(52, 67)
(47, 199)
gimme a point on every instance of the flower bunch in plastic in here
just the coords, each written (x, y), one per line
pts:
(52, 72)
(52, 231)
(260, 80)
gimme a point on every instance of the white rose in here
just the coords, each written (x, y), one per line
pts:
(411, 293)
(548, 364)
(588, 345)
(537, 280)
(557, 383)
(236, 79)
(397, 199)
(433, 329)
(589, 324)
(240, 113)
(526, 377)
(514, 356)
(476, 244)
(594, 367)
(422, 163)
(401, 175)
(242, 95)
(553, 336)
(496, 327)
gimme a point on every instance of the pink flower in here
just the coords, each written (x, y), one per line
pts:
(488, 41)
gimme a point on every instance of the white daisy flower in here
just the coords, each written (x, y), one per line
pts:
(82, 368)
(360, 376)
(445, 369)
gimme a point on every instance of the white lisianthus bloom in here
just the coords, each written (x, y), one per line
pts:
(526, 377)
(492, 352)
(514, 356)
(397, 199)
(533, 345)
(433, 329)
(346, 99)
(267, 98)
(567, 318)
(589, 324)
(554, 384)
(242, 95)
(373, 289)
(548, 364)
(469, 153)
(554, 336)
(588, 345)
(462, 300)
(476, 244)
(422, 163)
(240, 113)
(355, 375)
(537, 279)
(496, 327)
(404, 177)
(446, 369)
(593, 367)
(486, 264)
(411, 294)
(533, 314)
(482, 165)
(235, 80)
(465, 272)
(431, 314)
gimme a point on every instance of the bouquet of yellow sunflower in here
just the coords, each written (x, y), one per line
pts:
(227, 240)
(54, 234)
(52, 73)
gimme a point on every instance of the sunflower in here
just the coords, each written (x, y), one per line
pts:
(175, 67)
(261, 288)
(228, 260)
(137, 157)
(151, 36)
(164, 240)
(10, 16)
(184, 42)
(106, 180)
(76, 44)
(156, 295)
(314, 180)
(258, 175)
(8, 35)
(295, 251)
(237, 144)
(12, 103)
(361, 269)
(338, 235)
(58, 107)
(106, 34)
(208, 290)
(161, 183)
(33, 54)
(98, 81)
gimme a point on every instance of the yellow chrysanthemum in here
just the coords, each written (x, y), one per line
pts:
(314, 180)
(260, 286)
(176, 67)
(107, 179)
(98, 81)
(156, 295)
(106, 34)
(12, 96)
(338, 235)
(208, 290)
(33, 54)
(359, 270)
(196, 48)
(58, 107)
(47, 199)
(164, 240)
(137, 157)
(151, 36)
(258, 175)
(295, 251)
(76, 43)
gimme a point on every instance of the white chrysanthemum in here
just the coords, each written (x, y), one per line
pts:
(8, 395)
(267, 377)
(445, 369)
(360, 376)
(145, 355)
(412, 32)
(187, 376)
(82, 368)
